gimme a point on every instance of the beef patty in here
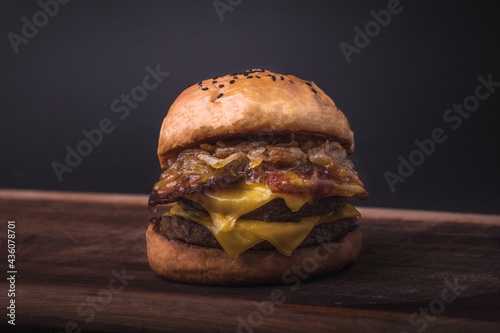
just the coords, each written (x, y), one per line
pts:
(277, 211)
(183, 229)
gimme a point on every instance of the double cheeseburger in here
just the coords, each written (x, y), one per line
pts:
(256, 164)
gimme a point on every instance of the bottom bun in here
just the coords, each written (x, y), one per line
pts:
(178, 261)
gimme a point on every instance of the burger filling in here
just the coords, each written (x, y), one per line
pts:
(242, 192)
(186, 230)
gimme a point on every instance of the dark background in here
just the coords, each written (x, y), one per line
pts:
(393, 92)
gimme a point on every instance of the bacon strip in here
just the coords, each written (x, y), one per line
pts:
(317, 187)
(168, 194)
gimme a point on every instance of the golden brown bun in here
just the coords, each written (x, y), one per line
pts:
(249, 106)
(182, 262)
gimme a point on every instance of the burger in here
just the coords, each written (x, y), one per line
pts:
(256, 166)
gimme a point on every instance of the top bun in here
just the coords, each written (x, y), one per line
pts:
(249, 103)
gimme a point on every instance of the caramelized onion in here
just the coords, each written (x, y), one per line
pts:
(218, 163)
(319, 168)
(332, 157)
(256, 156)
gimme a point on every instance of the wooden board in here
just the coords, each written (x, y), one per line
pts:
(71, 247)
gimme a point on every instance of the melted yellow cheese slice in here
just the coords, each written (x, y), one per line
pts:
(285, 236)
(226, 205)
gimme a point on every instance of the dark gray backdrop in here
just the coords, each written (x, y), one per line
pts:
(396, 89)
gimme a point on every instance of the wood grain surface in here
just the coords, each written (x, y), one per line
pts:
(82, 267)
